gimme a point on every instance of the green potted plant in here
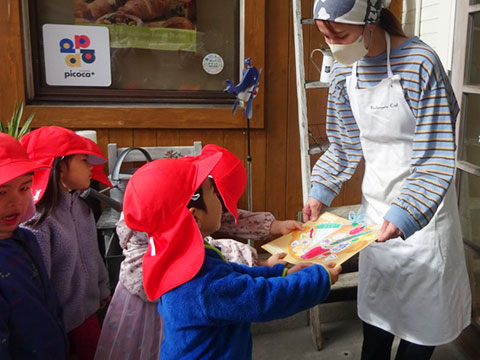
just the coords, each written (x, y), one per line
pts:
(13, 127)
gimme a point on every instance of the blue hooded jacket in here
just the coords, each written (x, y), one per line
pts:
(31, 323)
(209, 316)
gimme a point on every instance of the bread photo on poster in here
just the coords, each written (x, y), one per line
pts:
(176, 14)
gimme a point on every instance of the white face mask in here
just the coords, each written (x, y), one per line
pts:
(347, 54)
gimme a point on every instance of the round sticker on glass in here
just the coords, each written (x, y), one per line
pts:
(213, 64)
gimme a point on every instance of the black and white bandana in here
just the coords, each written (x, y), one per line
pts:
(357, 12)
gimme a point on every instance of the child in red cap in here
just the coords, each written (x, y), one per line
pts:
(31, 323)
(65, 229)
(230, 178)
(132, 327)
(207, 303)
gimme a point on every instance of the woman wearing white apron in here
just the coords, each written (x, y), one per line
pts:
(395, 107)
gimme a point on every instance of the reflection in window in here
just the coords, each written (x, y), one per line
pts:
(472, 65)
(469, 200)
(469, 206)
(473, 266)
(470, 144)
(159, 45)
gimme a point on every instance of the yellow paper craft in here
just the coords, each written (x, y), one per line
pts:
(329, 239)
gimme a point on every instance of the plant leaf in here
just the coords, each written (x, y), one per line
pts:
(26, 126)
(13, 117)
(16, 123)
(12, 128)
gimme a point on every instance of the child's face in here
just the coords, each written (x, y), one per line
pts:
(15, 199)
(209, 221)
(77, 173)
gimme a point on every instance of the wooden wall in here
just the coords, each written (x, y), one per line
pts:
(275, 147)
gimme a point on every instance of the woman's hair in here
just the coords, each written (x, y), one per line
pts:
(50, 199)
(390, 23)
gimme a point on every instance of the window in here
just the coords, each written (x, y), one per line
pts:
(466, 82)
(158, 49)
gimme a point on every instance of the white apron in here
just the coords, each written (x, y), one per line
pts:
(416, 288)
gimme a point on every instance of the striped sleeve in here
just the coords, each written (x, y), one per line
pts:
(433, 103)
(339, 162)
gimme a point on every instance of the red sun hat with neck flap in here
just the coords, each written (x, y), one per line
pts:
(14, 160)
(155, 202)
(230, 177)
(45, 144)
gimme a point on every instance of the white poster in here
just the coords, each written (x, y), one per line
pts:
(77, 55)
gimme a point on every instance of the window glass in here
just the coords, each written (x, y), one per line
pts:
(469, 206)
(469, 201)
(156, 45)
(470, 141)
(472, 64)
(473, 266)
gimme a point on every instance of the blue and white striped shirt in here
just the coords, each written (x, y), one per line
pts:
(428, 92)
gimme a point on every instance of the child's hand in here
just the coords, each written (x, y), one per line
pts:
(105, 302)
(298, 267)
(334, 271)
(284, 227)
(275, 259)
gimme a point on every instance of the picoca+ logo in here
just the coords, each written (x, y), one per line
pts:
(77, 51)
(80, 73)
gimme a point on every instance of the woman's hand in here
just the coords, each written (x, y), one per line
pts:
(388, 231)
(284, 227)
(312, 208)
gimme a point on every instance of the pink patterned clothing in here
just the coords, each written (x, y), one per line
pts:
(235, 251)
(134, 245)
(130, 308)
(251, 225)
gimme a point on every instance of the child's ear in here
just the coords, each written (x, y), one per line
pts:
(63, 168)
(194, 213)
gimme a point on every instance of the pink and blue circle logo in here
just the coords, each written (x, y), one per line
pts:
(77, 51)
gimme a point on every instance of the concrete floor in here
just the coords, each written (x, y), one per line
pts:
(342, 332)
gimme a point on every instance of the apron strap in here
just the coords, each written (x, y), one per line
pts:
(389, 66)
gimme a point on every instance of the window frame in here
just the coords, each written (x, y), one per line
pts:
(462, 33)
(199, 111)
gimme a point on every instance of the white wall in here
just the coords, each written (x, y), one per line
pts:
(433, 22)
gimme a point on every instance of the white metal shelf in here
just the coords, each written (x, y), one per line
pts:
(302, 85)
(315, 85)
(307, 21)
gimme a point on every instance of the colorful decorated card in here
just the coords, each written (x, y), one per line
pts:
(330, 239)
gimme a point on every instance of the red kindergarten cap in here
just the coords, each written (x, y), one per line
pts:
(14, 161)
(49, 142)
(155, 202)
(97, 170)
(230, 177)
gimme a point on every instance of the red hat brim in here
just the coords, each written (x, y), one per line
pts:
(40, 180)
(12, 170)
(230, 177)
(231, 187)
